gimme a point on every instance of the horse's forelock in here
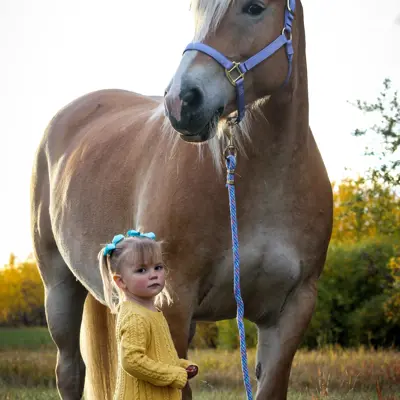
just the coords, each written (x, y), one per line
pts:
(208, 14)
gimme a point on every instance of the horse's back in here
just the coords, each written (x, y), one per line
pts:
(73, 121)
(66, 150)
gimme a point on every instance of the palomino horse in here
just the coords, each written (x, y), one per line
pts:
(110, 161)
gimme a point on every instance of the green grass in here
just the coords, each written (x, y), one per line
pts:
(28, 394)
(27, 362)
(25, 368)
(313, 372)
(43, 394)
(25, 338)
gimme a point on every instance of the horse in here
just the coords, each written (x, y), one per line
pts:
(112, 160)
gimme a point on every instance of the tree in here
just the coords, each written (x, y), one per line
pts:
(392, 306)
(363, 210)
(386, 132)
(21, 294)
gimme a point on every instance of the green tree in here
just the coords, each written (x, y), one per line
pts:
(358, 296)
(21, 294)
(363, 210)
(386, 133)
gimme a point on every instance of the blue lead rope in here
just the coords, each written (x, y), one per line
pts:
(230, 183)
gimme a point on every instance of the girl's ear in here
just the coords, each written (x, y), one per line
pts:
(119, 282)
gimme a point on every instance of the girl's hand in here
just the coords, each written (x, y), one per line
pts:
(192, 371)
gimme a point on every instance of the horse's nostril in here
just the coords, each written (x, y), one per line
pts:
(192, 98)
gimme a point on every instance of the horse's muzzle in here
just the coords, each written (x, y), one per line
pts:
(189, 115)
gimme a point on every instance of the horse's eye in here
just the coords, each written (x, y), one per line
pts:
(253, 9)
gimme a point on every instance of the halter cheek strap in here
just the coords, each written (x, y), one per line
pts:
(235, 71)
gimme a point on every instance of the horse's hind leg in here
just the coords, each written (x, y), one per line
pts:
(64, 295)
(277, 343)
(65, 298)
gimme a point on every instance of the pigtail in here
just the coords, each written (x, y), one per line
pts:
(108, 285)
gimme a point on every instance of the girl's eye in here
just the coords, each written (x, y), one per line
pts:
(159, 267)
(253, 9)
(141, 270)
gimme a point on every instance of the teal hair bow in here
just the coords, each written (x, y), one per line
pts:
(149, 235)
(110, 247)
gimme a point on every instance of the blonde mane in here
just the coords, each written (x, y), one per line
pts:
(207, 16)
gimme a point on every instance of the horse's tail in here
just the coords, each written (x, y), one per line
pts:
(99, 350)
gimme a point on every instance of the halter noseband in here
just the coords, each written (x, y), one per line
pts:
(239, 69)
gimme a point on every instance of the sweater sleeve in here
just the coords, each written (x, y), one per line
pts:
(135, 332)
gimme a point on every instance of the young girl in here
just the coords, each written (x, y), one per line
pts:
(148, 364)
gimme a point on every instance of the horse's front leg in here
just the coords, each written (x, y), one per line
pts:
(278, 343)
(179, 317)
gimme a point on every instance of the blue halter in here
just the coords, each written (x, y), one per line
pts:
(239, 69)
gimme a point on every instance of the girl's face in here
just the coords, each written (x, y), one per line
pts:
(142, 281)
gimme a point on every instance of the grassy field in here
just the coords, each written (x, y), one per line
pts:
(25, 339)
(27, 360)
(40, 394)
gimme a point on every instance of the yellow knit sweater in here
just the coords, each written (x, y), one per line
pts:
(148, 364)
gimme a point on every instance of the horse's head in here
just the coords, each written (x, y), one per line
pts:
(202, 91)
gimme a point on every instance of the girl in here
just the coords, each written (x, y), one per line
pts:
(148, 364)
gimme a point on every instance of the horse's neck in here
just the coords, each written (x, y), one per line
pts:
(280, 139)
(286, 113)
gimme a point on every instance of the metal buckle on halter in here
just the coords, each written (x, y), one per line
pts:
(236, 68)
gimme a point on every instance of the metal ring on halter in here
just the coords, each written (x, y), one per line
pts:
(286, 31)
(232, 120)
(288, 7)
(230, 150)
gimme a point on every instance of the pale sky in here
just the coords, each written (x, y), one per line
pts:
(53, 51)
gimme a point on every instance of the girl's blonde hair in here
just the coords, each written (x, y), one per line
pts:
(132, 251)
